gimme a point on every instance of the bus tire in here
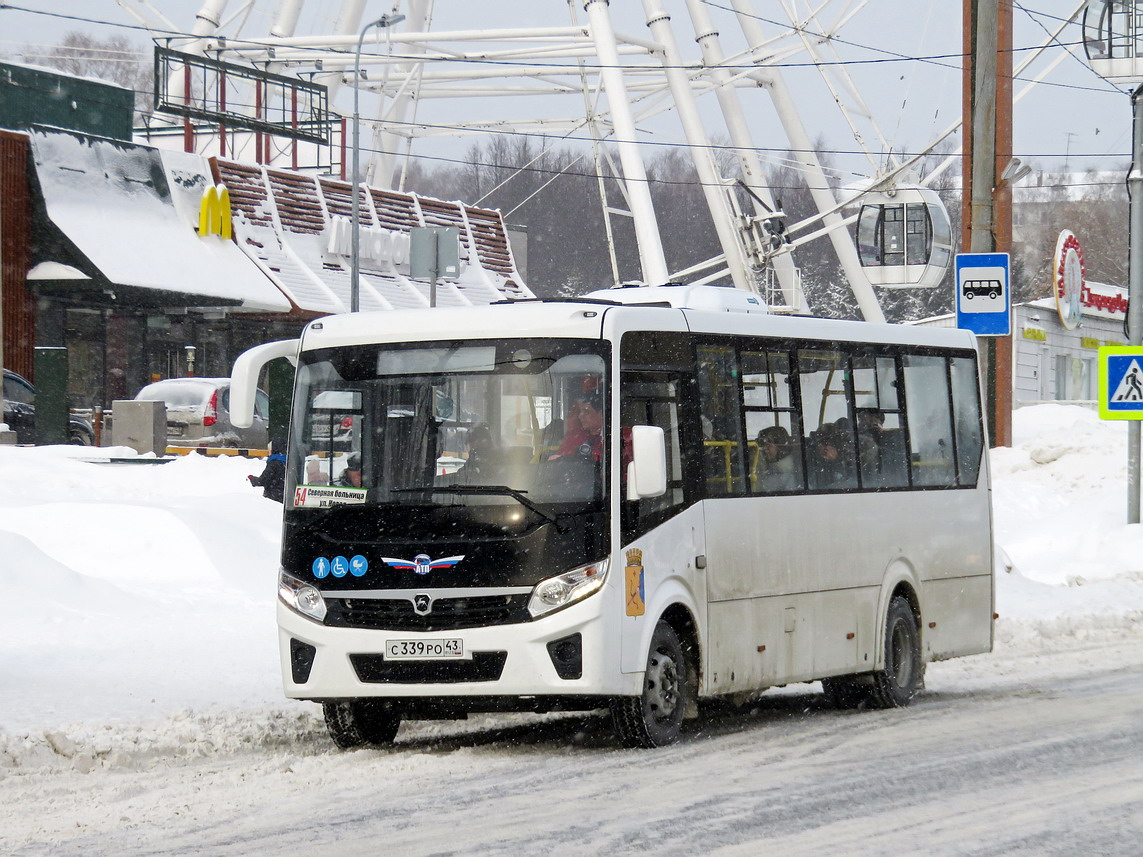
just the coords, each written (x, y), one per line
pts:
(845, 691)
(904, 673)
(903, 676)
(360, 722)
(655, 717)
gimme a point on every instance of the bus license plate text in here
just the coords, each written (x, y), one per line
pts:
(404, 650)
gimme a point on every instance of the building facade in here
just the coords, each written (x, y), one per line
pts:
(148, 263)
(1052, 363)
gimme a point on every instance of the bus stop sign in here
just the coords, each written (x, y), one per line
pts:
(983, 293)
(1121, 382)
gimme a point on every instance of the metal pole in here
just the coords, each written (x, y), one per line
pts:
(713, 188)
(1135, 290)
(355, 183)
(810, 166)
(1002, 214)
(653, 261)
(984, 24)
(987, 110)
(434, 270)
(355, 178)
(739, 129)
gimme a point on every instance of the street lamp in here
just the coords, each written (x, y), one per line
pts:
(1111, 29)
(384, 22)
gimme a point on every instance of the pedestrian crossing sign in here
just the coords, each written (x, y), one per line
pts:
(1121, 382)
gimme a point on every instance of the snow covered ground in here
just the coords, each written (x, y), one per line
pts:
(139, 685)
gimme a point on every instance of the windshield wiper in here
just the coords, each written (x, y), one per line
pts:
(491, 490)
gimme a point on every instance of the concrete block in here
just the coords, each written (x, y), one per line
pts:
(139, 425)
(7, 438)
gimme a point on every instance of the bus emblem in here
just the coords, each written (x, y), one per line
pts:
(636, 586)
(422, 604)
(422, 563)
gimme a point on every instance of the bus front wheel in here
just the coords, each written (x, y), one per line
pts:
(655, 717)
(360, 722)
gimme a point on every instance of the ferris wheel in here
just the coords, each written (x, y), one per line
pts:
(612, 80)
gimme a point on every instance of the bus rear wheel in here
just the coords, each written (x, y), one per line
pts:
(360, 722)
(655, 717)
(903, 677)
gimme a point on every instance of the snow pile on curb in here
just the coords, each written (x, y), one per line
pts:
(182, 735)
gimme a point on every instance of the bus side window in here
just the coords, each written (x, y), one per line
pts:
(881, 450)
(723, 445)
(655, 367)
(829, 434)
(774, 434)
(928, 408)
(966, 412)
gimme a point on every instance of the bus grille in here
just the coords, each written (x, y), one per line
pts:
(448, 614)
(484, 666)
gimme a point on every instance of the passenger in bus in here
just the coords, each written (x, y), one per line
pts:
(831, 457)
(591, 418)
(870, 433)
(482, 452)
(585, 428)
(777, 465)
(315, 472)
(351, 476)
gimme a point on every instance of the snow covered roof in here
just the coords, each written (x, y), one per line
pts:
(298, 228)
(131, 211)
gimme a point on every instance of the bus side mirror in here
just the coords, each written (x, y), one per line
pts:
(647, 471)
(244, 377)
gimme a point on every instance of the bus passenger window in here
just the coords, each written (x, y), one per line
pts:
(656, 370)
(930, 421)
(830, 442)
(721, 420)
(881, 451)
(969, 433)
(772, 428)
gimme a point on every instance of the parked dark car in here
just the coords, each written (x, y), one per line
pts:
(20, 413)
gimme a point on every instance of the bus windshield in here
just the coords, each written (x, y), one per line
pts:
(516, 423)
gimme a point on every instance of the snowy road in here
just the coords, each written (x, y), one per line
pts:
(1022, 752)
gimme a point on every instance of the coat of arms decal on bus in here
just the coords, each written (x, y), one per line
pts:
(421, 564)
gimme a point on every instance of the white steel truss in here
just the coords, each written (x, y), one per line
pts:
(616, 86)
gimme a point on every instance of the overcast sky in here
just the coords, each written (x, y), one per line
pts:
(1076, 114)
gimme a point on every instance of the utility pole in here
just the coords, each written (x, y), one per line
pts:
(986, 214)
(1135, 288)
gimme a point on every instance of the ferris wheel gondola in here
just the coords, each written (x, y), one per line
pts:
(1112, 30)
(904, 238)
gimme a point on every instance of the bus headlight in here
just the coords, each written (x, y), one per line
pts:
(567, 588)
(301, 597)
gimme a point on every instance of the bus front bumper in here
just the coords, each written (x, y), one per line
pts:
(562, 654)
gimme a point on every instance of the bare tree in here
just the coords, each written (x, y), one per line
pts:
(114, 59)
(1093, 205)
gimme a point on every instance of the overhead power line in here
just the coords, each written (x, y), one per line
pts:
(890, 56)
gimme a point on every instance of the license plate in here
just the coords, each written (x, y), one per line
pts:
(423, 650)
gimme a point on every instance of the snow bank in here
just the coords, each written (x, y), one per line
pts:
(143, 588)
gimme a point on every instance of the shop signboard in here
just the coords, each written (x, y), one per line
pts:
(1121, 382)
(983, 293)
(1068, 279)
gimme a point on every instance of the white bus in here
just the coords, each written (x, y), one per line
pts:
(624, 503)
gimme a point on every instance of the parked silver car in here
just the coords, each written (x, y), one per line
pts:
(198, 413)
